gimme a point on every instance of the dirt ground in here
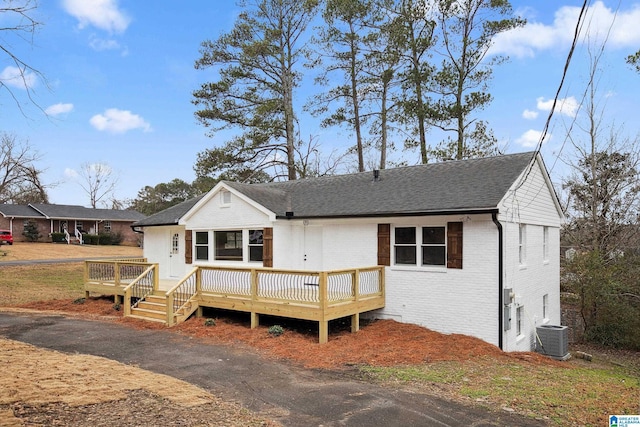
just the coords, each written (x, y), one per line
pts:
(45, 387)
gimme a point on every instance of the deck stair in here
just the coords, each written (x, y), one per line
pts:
(152, 308)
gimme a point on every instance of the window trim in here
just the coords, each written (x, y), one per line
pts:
(255, 245)
(519, 320)
(245, 246)
(236, 245)
(197, 245)
(545, 244)
(522, 245)
(453, 242)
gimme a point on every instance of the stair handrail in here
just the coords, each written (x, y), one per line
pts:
(141, 287)
(79, 236)
(67, 236)
(179, 295)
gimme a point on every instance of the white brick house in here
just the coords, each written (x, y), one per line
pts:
(469, 247)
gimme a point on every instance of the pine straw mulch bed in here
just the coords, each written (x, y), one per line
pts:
(378, 343)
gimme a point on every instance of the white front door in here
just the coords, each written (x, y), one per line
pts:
(312, 248)
(176, 254)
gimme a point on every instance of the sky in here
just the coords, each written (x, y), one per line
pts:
(119, 77)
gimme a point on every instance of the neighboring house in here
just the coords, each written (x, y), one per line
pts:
(470, 247)
(57, 218)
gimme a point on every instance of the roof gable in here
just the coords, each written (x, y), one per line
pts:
(275, 196)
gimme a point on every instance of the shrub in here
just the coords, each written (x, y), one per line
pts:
(31, 231)
(276, 330)
(79, 301)
(58, 238)
(210, 322)
(116, 306)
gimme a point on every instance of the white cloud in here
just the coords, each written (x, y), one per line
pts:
(530, 115)
(621, 26)
(531, 138)
(56, 109)
(567, 106)
(119, 121)
(102, 44)
(70, 173)
(13, 76)
(102, 14)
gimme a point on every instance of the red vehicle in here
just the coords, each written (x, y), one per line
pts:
(6, 237)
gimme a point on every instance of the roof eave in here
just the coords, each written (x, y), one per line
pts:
(476, 211)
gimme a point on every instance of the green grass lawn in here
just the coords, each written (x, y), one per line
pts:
(566, 395)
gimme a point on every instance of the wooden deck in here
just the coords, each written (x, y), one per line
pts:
(318, 296)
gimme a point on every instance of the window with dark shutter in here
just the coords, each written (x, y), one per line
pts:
(454, 245)
(188, 249)
(267, 247)
(384, 244)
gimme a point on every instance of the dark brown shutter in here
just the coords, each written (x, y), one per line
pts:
(454, 245)
(384, 244)
(188, 247)
(267, 247)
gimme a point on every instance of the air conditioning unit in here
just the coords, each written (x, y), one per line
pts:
(553, 341)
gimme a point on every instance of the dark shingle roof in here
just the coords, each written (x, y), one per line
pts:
(466, 185)
(41, 210)
(454, 186)
(169, 216)
(18, 211)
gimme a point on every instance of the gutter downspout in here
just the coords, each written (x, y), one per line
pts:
(494, 217)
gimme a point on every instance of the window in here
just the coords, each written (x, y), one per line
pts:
(519, 316)
(107, 226)
(522, 238)
(432, 244)
(175, 244)
(202, 245)
(545, 306)
(545, 243)
(405, 245)
(228, 245)
(256, 241)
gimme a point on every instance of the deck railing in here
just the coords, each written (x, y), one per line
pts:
(117, 272)
(182, 294)
(306, 287)
(142, 286)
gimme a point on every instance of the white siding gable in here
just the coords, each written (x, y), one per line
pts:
(532, 199)
(224, 208)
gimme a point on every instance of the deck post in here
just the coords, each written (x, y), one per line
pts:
(255, 317)
(323, 325)
(170, 309)
(156, 277)
(355, 318)
(200, 309)
(355, 322)
(116, 274)
(126, 300)
(323, 331)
